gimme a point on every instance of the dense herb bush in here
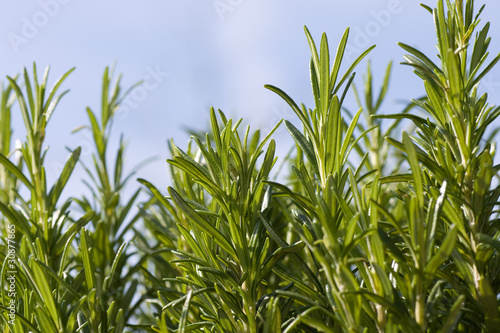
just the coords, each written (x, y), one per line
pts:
(340, 246)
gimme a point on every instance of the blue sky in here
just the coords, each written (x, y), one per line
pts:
(197, 54)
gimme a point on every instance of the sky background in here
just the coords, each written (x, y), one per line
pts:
(197, 54)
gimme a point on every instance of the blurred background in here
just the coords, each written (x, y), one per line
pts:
(195, 54)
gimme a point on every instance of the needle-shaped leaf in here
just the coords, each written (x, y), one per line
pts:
(11, 167)
(444, 251)
(203, 224)
(304, 144)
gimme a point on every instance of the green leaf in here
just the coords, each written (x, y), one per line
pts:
(185, 313)
(22, 104)
(18, 220)
(38, 281)
(44, 321)
(478, 78)
(351, 68)
(302, 201)
(398, 178)
(61, 182)
(278, 254)
(453, 315)
(60, 280)
(75, 227)
(314, 51)
(422, 57)
(385, 86)
(443, 253)
(422, 157)
(88, 261)
(296, 258)
(157, 195)
(348, 135)
(338, 60)
(296, 109)
(11, 167)
(199, 221)
(273, 317)
(118, 256)
(53, 91)
(324, 75)
(304, 144)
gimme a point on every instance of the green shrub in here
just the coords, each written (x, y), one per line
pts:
(344, 244)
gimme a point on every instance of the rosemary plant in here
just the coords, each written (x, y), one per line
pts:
(346, 243)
